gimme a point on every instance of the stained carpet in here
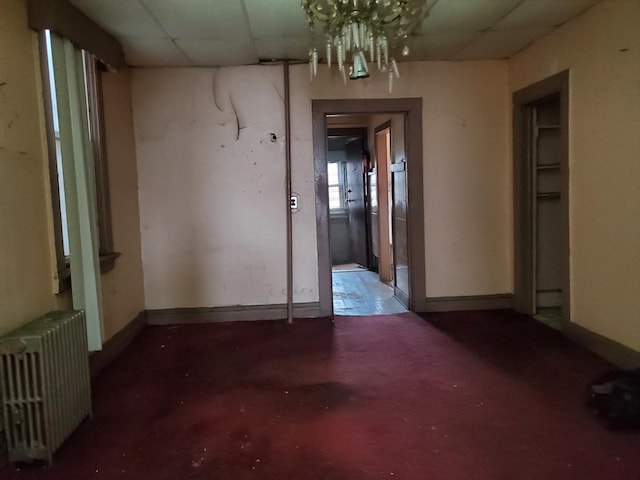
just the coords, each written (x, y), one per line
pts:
(457, 396)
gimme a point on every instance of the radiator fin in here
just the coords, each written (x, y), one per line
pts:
(44, 384)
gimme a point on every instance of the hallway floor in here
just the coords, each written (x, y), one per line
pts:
(360, 292)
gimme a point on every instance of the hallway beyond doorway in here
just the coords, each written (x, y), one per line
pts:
(362, 293)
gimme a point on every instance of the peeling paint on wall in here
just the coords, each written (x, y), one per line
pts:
(214, 198)
(210, 146)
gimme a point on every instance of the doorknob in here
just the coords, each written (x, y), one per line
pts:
(347, 195)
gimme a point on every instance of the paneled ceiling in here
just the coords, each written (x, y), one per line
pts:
(176, 33)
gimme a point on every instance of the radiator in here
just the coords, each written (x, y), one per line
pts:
(44, 384)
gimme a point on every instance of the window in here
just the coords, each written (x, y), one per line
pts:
(95, 159)
(336, 176)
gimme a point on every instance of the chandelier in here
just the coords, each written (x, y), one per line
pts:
(359, 32)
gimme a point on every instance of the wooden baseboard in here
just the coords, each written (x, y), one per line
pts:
(616, 353)
(239, 313)
(116, 344)
(402, 297)
(475, 302)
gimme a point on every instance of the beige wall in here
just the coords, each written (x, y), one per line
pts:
(211, 197)
(602, 51)
(122, 288)
(27, 254)
(200, 174)
(467, 172)
(26, 260)
(397, 133)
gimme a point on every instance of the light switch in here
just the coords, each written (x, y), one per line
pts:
(295, 201)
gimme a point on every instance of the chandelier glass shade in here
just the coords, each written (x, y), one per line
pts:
(359, 32)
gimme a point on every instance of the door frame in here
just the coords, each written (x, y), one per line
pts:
(412, 110)
(387, 215)
(523, 192)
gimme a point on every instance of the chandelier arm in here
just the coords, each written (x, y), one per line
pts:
(361, 30)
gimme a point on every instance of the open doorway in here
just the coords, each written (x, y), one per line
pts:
(362, 270)
(402, 288)
(541, 206)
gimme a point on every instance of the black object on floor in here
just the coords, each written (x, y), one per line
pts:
(615, 396)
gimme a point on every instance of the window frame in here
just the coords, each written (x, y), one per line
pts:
(95, 102)
(95, 112)
(341, 184)
(63, 273)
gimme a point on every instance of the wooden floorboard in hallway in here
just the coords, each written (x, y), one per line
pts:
(362, 293)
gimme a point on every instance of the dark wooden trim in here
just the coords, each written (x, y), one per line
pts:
(523, 209)
(239, 313)
(113, 347)
(522, 224)
(542, 89)
(347, 132)
(412, 108)
(606, 348)
(415, 210)
(566, 191)
(65, 19)
(103, 198)
(470, 302)
(108, 261)
(320, 156)
(382, 127)
(62, 269)
(402, 297)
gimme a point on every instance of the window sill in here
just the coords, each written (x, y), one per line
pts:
(107, 263)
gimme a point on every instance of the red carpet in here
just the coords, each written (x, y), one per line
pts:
(457, 396)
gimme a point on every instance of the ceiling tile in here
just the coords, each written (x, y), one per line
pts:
(200, 19)
(215, 53)
(222, 32)
(500, 44)
(543, 13)
(151, 52)
(454, 16)
(281, 48)
(439, 47)
(276, 19)
(127, 18)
